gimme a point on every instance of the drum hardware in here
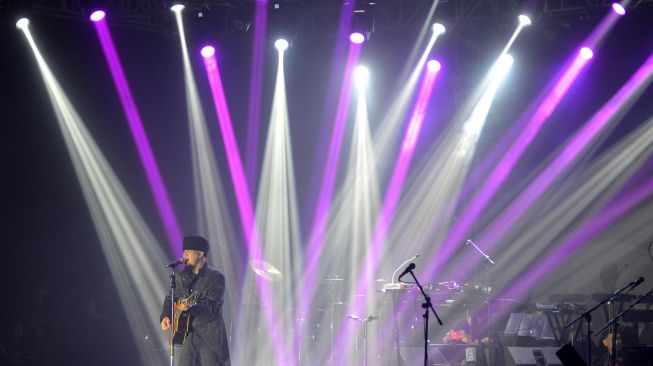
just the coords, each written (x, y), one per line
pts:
(365, 321)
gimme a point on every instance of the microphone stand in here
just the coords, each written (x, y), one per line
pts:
(615, 323)
(587, 315)
(173, 284)
(426, 306)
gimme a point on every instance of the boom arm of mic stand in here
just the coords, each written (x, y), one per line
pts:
(588, 317)
(588, 312)
(616, 317)
(487, 257)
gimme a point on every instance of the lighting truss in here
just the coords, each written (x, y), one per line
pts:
(314, 18)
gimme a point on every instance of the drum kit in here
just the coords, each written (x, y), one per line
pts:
(396, 304)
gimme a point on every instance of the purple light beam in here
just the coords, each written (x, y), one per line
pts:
(608, 216)
(316, 241)
(592, 41)
(243, 199)
(255, 87)
(391, 199)
(616, 104)
(627, 94)
(505, 166)
(341, 48)
(138, 133)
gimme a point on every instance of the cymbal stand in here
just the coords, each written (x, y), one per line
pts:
(365, 321)
(332, 310)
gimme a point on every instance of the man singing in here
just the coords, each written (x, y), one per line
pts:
(206, 343)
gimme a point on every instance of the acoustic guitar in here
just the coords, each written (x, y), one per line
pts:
(182, 319)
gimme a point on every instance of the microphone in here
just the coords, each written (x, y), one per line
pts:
(637, 283)
(401, 265)
(407, 270)
(176, 263)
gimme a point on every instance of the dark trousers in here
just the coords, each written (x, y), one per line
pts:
(196, 352)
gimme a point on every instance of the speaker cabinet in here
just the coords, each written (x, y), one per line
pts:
(532, 356)
(569, 356)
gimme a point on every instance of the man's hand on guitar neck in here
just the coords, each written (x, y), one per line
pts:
(165, 323)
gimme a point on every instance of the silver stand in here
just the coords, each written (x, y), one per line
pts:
(365, 321)
(172, 314)
(173, 284)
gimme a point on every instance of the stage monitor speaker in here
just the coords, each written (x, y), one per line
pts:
(439, 354)
(532, 356)
(569, 356)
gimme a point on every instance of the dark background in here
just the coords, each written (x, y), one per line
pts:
(57, 287)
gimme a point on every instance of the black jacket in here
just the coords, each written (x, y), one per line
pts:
(207, 321)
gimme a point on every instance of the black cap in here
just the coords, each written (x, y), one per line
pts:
(196, 243)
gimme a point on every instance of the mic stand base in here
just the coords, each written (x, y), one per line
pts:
(427, 305)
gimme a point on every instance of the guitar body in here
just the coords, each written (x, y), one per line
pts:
(181, 321)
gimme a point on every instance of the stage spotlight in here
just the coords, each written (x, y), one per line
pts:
(281, 44)
(618, 8)
(207, 51)
(357, 37)
(362, 23)
(505, 62)
(433, 66)
(97, 15)
(438, 29)
(177, 7)
(22, 23)
(524, 20)
(586, 53)
(361, 75)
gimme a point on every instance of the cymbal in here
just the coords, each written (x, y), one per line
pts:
(333, 279)
(266, 270)
(357, 318)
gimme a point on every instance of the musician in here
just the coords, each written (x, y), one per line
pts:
(206, 343)
(605, 353)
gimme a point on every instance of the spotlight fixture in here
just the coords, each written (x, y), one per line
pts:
(177, 7)
(586, 53)
(207, 51)
(97, 15)
(438, 28)
(22, 23)
(282, 24)
(505, 61)
(618, 8)
(433, 65)
(361, 75)
(357, 37)
(362, 23)
(524, 20)
(281, 44)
